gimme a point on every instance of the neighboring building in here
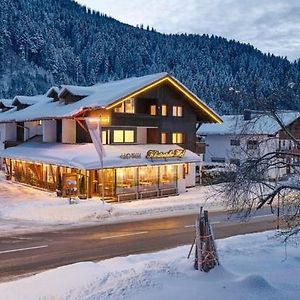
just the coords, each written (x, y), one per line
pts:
(253, 134)
(148, 131)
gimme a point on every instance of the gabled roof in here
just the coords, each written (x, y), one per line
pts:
(52, 89)
(107, 95)
(260, 124)
(29, 100)
(6, 103)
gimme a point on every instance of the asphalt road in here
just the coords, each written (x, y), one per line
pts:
(31, 253)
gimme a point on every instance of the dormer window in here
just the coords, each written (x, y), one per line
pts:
(126, 106)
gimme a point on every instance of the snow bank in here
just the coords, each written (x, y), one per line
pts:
(253, 267)
(21, 205)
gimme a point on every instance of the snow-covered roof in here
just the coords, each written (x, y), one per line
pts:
(84, 156)
(30, 100)
(7, 102)
(258, 124)
(101, 95)
(53, 88)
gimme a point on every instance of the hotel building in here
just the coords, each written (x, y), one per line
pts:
(148, 129)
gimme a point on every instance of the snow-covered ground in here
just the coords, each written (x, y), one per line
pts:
(252, 267)
(23, 208)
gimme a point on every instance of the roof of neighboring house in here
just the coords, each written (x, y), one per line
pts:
(6, 102)
(53, 89)
(105, 95)
(258, 124)
(84, 156)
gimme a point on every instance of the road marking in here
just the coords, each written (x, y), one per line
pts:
(189, 226)
(123, 235)
(262, 216)
(23, 249)
(20, 238)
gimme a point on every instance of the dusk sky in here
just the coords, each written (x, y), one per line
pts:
(270, 25)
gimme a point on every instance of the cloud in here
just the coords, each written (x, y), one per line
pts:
(270, 25)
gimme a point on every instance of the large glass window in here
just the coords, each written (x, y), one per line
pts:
(123, 136)
(177, 138)
(167, 176)
(148, 178)
(126, 106)
(126, 180)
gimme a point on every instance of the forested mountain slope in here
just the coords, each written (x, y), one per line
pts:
(52, 42)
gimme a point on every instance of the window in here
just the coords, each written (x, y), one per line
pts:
(252, 144)
(126, 106)
(164, 110)
(235, 161)
(163, 137)
(218, 159)
(177, 111)
(234, 142)
(177, 138)
(105, 137)
(153, 110)
(129, 136)
(123, 136)
(186, 168)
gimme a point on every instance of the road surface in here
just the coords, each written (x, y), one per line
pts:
(31, 253)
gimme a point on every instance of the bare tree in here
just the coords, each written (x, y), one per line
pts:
(267, 176)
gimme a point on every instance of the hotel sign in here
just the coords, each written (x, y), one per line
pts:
(130, 155)
(155, 154)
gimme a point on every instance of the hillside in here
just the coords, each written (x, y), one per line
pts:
(44, 43)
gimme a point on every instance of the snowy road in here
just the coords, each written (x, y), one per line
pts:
(31, 253)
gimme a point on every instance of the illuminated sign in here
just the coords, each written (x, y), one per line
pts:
(130, 155)
(155, 154)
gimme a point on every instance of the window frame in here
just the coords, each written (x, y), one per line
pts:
(175, 111)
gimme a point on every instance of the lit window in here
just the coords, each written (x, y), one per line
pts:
(129, 136)
(163, 137)
(177, 111)
(123, 136)
(126, 106)
(40, 122)
(129, 106)
(153, 110)
(118, 136)
(104, 137)
(164, 110)
(177, 138)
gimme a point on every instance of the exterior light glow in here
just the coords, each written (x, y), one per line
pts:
(192, 98)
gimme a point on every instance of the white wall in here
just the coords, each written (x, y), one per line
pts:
(68, 131)
(141, 135)
(10, 132)
(34, 128)
(217, 146)
(49, 131)
(190, 178)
